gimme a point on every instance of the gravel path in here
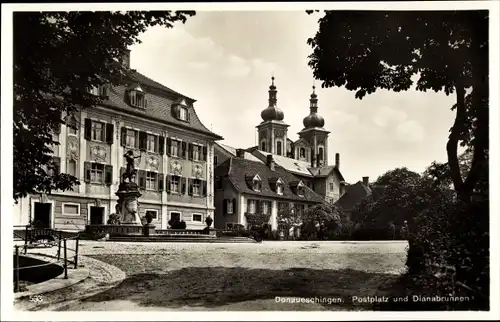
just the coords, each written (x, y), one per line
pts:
(176, 276)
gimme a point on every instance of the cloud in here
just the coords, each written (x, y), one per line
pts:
(410, 132)
(343, 118)
(386, 116)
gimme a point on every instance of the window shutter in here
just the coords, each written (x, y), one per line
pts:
(142, 179)
(188, 116)
(190, 151)
(160, 181)
(108, 170)
(122, 171)
(168, 183)
(183, 150)
(190, 186)
(225, 206)
(86, 167)
(204, 187)
(57, 166)
(182, 184)
(88, 129)
(205, 153)
(124, 136)
(161, 145)
(142, 140)
(110, 128)
(234, 206)
(169, 144)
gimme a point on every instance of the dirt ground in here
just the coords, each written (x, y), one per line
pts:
(266, 276)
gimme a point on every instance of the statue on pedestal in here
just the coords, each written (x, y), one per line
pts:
(128, 193)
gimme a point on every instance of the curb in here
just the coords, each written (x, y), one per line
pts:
(54, 284)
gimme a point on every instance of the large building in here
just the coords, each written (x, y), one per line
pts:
(175, 168)
(307, 157)
(250, 191)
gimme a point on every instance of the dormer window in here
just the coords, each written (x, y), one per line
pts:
(277, 185)
(254, 182)
(180, 110)
(137, 97)
(100, 90)
(298, 188)
(279, 189)
(257, 185)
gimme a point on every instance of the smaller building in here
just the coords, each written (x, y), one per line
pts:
(356, 193)
(249, 191)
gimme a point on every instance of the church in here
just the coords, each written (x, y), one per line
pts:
(301, 163)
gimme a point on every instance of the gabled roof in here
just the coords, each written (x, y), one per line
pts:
(355, 193)
(324, 171)
(159, 104)
(292, 165)
(238, 169)
(232, 151)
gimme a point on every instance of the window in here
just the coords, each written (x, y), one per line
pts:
(175, 216)
(97, 131)
(71, 168)
(174, 184)
(257, 185)
(216, 159)
(174, 149)
(196, 152)
(197, 217)
(302, 152)
(152, 213)
(263, 146)
(71, 209)
(300, 191)
(151, 142)
(279, 188)
(230, 206)
(218, 183)
(100, 90)
(97, 173)
(265, 207)
(137, 99)
(151, 180)
(183, 113)
(196, 187)
(320, 154)
(130, 139)
(331, 186)
(278, 148)
(251, 206)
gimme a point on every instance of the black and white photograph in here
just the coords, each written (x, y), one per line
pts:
(225, 161)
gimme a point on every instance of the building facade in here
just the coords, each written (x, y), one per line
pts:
(248, 190)
(175, 159)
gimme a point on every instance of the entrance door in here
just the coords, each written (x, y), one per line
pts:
(97, 215)
(41, 217)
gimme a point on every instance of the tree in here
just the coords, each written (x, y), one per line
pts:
(448, 50)
(58, 56)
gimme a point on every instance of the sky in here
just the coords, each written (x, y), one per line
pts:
(225, 61)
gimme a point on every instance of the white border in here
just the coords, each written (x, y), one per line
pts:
(6, 128)
(71, 204)
(181, 217)
(32, 210)
(155, 210)
(93, 204)
(195, 221)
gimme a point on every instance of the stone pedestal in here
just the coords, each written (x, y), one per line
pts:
(128, 204)
(149, 229)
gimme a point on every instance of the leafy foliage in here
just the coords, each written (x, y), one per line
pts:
(58, 56)
(447, 50)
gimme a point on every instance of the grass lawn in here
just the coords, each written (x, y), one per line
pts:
(245, 276)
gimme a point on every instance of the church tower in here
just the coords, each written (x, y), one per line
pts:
(315, 134)
(272, 130)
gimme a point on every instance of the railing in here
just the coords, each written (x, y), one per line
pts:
(62, 246)
(180, 232)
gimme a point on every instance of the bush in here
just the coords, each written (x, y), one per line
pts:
(177, 224)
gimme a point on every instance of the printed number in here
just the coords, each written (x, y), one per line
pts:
(36, 298)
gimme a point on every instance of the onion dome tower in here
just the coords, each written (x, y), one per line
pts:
(272, 112)
(272, 130)
(315, 134)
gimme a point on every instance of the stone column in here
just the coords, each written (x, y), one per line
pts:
(274, 215)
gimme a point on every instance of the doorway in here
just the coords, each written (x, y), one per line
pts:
(96, 215)
(41, 217)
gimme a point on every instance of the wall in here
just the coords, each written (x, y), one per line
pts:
(228, 192)
(187, 216)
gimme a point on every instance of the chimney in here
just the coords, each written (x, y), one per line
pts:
(126, 59)
(337, 160)
(366, 181)
(270, 162)
(240, 153)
